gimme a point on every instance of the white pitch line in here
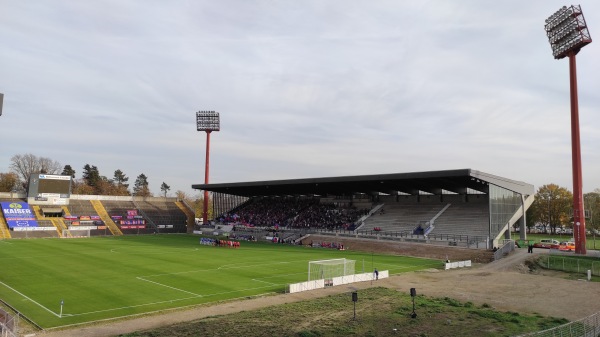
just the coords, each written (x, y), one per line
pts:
(257, 280)
(20, 293)
(133, 306)
(235, 266)
(166, 286)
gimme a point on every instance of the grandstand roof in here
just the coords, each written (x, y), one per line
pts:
(457, 181)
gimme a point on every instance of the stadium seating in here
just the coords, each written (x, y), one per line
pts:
(165, 215)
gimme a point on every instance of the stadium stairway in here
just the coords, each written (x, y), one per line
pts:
(37, 212)
(191, 217)
(112, 226)
(4, 231)
(65, 210)
(58, 223)
(63, 231)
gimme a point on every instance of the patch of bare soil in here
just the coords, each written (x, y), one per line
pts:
(511, 284)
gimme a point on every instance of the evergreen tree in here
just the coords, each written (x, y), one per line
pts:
(165, 188)
(121, 179)
(68, 171)
(140, 187)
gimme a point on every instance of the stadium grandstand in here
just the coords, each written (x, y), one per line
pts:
(49, 209)
(463, 207)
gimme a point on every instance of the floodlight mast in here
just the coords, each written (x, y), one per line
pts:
(567, 33)
(207, 121)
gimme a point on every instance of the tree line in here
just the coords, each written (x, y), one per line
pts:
(553, 208)
(91, 181)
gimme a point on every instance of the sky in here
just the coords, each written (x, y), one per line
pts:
(304, 89)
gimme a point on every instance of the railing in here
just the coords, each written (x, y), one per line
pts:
(508, 247)
(452, 239)
(9, 324)
(150, 221)
(570, 264)
(585, 327)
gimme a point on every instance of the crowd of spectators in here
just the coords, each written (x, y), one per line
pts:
(327, 216)
(219, 243)
(267, 212)
(294, 213)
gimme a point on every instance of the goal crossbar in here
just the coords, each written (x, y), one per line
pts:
(328, 269)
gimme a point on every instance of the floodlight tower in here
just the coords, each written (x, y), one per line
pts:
(207, 121)
(568, 33)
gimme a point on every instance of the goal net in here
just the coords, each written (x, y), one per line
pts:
(328, 269)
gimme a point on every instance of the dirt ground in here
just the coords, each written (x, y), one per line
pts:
(507, 285)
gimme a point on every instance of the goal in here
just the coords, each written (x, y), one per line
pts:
(328, 269)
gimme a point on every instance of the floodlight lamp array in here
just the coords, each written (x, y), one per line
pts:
(208, 121)
(567, 31)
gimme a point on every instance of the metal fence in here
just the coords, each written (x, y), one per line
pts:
(570, 264)
(463, 240)
(8, 324)
(507, 247)
(585, 327)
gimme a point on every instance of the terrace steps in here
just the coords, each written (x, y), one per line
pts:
(4, 231)
(65, 210)
(63, 231)
(37, 211)
(188, 212)
(114, 229)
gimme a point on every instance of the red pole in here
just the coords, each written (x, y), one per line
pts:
(578, 213)
(205, 211)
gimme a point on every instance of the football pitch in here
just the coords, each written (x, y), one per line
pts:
(61, 282)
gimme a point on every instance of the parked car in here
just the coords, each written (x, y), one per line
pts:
(567, 246)
(547, 243)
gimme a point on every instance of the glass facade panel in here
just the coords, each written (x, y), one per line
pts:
(503, 205)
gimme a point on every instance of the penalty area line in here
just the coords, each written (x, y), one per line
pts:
(166, 286)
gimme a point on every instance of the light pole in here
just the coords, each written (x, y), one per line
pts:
(207, 121)
(567, 33)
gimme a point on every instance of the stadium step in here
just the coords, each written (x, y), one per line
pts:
(4, 231)
(37, 212)
(65, 210)
(62, 229)
(191, 216)
(101, 211)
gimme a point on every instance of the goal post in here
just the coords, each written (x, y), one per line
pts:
(328, 269)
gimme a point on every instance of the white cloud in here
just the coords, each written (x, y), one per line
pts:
(305, 89)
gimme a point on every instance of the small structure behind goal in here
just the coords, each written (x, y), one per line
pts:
(328, 269)
(331, 273)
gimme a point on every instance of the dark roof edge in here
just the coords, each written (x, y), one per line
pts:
(369, 177)
(513, 185)
(509, 184)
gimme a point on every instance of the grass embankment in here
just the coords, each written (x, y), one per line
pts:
(379, 312)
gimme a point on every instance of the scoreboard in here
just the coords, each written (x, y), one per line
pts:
(54, 184)
(49, 189)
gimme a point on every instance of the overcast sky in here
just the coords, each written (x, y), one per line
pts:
(304, 88)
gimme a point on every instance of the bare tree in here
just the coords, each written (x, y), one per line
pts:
(49, 166)
(28, 164)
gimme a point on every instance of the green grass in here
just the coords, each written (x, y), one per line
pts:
(578, 265)
(379, 312)
(112, 277)
(591, 242)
